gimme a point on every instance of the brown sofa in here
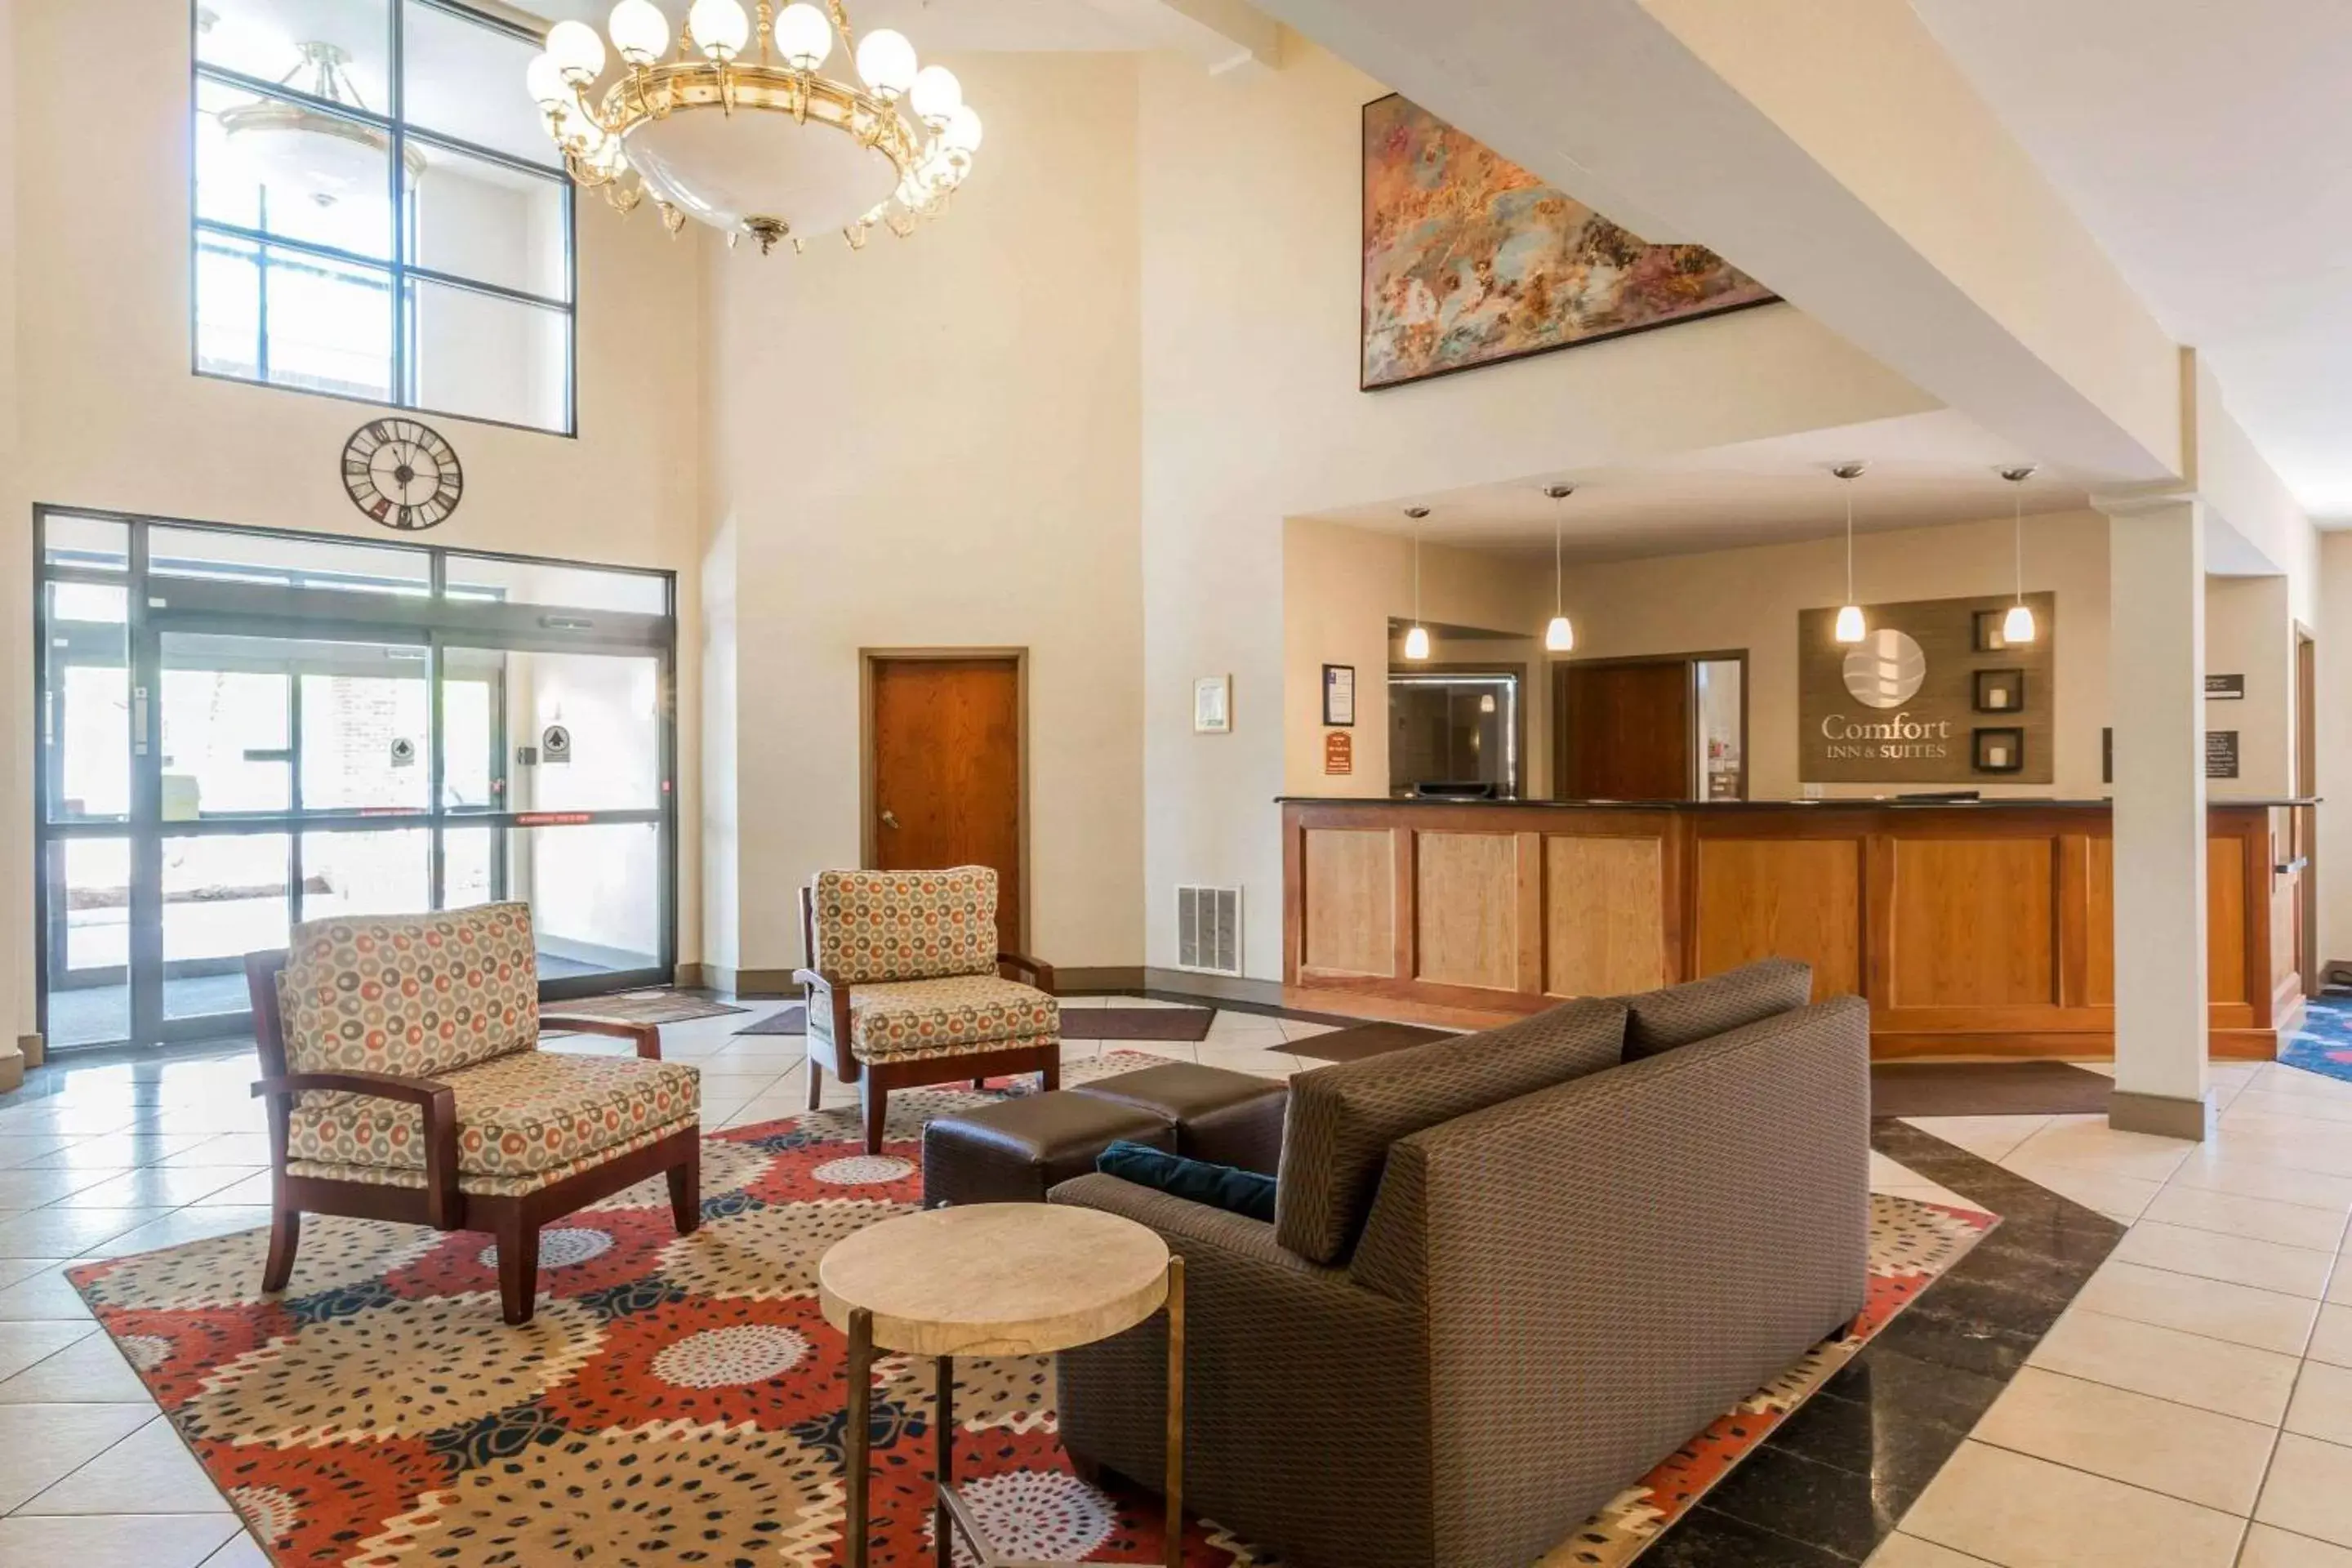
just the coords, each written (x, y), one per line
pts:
(1509, 1273)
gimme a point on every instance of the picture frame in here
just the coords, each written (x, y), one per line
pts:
(1997, 750)
(1340, 696)
(1212, 705)
(1998, 691)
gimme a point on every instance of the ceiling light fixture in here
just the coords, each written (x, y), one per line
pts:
(2018, 626)
(1850, 626)
(1558, 637)
(738, 130)
(314, 153)
(1416, 639)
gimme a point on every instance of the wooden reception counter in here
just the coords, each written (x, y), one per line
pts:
(1974, 928)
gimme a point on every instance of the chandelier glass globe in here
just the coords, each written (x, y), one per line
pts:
(721, 27)
(936, 95)
(886, 60)
(804, 36)
(640, 32)
(577, 51)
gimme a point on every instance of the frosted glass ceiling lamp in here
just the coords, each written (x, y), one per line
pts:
(729, 118)
(295, 150)
(1558, 637)
(1850, 624)
(2018, 626)
(1416, 640)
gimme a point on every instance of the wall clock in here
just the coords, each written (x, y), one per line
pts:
(403, 474)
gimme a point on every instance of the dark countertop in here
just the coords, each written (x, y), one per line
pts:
(2013, 803)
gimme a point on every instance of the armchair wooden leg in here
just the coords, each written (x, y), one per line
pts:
(1049, 1077)
(876, 1100)
(685, 1191)
(285, 1236)
(816, 1082)
(518, 1269)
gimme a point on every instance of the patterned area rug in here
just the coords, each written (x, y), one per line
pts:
(678, 1400)
(642, 1007)
(2324, 1044)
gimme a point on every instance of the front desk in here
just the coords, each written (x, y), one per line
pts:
(1973, 929)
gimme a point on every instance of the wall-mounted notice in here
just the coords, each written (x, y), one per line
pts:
(1339, 753)
(2225, 689)
(2220, 753)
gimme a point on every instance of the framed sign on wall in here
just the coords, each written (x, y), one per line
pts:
(1907, 704)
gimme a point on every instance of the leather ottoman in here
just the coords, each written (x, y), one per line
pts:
(1224, 1117)
(1010, 1152)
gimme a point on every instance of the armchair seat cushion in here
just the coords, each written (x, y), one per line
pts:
(523, 1115)
(907, 1019)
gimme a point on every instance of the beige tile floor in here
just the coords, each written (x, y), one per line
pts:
(2194, 1408)
(2194, 1405)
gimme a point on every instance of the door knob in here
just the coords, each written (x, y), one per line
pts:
(889, 819)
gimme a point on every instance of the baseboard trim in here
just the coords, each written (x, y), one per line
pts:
(2164, 1115)
(1098, 977)
(34, 1048)
(759, 983)
(1223, 987)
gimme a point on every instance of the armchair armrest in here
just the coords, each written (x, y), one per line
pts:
(1040, 973)
(647, 1036)
(436, 1101)
(827, 991)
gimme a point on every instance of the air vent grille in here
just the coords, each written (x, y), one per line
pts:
(1209, 928)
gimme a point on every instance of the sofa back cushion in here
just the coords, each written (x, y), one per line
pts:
(415, 995)
(1679, 1015)
(1342, 1118)
(905, 925)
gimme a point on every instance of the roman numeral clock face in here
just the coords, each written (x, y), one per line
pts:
(403, 474)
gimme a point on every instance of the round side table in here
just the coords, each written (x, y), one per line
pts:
(995, 1280)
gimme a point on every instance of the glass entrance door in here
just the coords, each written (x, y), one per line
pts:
(226, 757)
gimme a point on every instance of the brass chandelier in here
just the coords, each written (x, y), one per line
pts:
(739, 129)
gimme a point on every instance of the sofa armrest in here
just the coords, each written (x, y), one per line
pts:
(1691, 1223)
(1287, 1365)
(1036, 972)
(647, 1036)
(436, 1101)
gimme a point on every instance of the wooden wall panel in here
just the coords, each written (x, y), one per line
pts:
(1349, 899)
(1467, 903)
(1787, 897)
(1974, 923)
(1604, 924)
(2099, 925)
(2225, 921)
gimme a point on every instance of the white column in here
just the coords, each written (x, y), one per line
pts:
(2156, 660)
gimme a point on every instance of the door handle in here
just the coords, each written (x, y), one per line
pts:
(889, 819)
(2290, 868)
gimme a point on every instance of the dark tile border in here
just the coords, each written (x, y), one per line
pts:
(1829, 1483)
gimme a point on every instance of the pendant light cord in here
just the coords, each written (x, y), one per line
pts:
(1848, 541)
(1416, 576)
(2018, 502)
(1559, 593)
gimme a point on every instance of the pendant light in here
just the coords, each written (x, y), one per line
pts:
(1416, 640)
(1850, 627)
(2018, 626)
(1558, 637)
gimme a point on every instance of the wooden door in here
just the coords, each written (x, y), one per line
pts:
(947, 773)
(1624, 730)
(2304, 820)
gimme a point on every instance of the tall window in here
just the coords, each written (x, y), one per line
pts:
(378, 214)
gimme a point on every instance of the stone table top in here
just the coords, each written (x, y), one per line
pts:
(995, 1278)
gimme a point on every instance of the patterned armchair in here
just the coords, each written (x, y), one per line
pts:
(406, 1083)
(906, 987)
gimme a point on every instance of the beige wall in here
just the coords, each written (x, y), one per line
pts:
(101, 292)
(934, 444)
(1251, 232)
(1342, 584)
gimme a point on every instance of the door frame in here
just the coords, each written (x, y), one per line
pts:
(868, 846)
(1690, 663)
(2306, 786)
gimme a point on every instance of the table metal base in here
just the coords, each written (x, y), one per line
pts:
(952, 1515)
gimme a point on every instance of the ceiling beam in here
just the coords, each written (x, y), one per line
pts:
(1831, 149)
(1222, 35)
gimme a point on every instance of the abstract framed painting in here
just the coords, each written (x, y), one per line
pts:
(1470, 260)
